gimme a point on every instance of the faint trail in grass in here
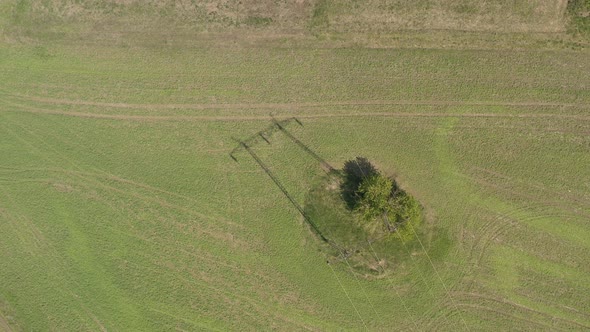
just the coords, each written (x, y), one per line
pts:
(126, 117)
(110, 176)
(417, 267)
(522, 307)
(4, 324)
(290, 106)
(349, 299)
(394, 289)
(32, 135)
(439, 277)
(35, 241)
(48, 251)
(361, 286)
(576, 204)
(223, 290)
(217, 235)
(192, 322)
(479, 308)
(508, 216)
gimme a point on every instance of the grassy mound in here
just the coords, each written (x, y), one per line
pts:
(373, 246)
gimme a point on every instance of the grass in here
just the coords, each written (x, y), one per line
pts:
(120, 208)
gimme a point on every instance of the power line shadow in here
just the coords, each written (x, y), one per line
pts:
(265, 136)
(325, 165)
(278, 183)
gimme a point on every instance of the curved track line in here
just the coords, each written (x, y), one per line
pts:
(393, 287)
(122, 191)
(221, 235)
(221, 290)
(521, 307)
(349, 299)
(502, 313)
(111, 176)
(439, 277)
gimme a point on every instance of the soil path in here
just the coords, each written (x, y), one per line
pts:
(295, 105)
(302, 116)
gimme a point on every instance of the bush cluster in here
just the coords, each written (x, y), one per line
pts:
(376, 197)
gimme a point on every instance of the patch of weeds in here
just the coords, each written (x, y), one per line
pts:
(20, 10)
(319, 17)
(465, 8)
(258, 21)
(41, 52)
(579, 13)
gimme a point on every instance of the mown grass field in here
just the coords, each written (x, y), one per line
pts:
(120, 208)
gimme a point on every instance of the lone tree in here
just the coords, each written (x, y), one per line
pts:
(375, 196)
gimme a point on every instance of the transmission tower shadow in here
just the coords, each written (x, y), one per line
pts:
(282, 128)
(282, 188)
(265, 136)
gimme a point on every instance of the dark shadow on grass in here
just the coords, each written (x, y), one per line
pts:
(325, 165)
(353, 173)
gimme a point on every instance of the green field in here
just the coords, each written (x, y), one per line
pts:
(121, 209)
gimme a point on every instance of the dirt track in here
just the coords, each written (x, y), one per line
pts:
(28, 109)
(289, 106)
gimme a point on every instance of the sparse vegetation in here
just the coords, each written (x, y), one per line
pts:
(579, 12)
(319, 18)
(258, 21)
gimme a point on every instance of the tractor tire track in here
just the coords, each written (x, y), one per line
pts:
(289, 106)
(129, 117)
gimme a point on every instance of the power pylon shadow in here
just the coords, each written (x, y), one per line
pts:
(265, 135)
(327, 167)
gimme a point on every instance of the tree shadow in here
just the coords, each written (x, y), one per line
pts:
(353, 172)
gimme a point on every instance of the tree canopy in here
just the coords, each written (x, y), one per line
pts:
(374, 194)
